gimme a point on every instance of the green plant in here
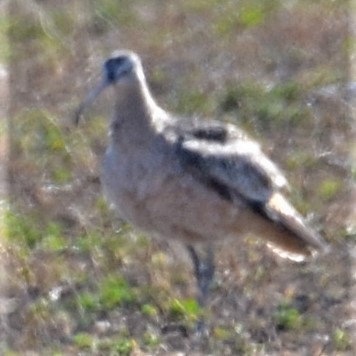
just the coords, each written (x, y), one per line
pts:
(84, 340)
(185, 309)
(288, 318)
(21, 229)
(115, 290)
(342, 340)
(149, 310)
(329, 187)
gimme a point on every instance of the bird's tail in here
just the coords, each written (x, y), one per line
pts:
(292, 237)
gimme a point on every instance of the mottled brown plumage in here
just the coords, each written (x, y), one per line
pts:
(191, 180)
(165, 174)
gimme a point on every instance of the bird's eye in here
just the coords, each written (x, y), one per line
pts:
(112, 67)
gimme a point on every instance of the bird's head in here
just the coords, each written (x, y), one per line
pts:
(121, 67)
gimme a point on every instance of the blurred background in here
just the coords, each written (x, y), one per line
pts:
(74, 278)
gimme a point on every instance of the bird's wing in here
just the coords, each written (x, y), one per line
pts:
(228, 160)
(235, 167)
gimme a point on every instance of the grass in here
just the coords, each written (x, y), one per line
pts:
(86, 342)
(4, 47)
(36, 131)
(265, 107)
(249, 15)
(342, 340)
(329, 188)
(116, 291)
(187, 309)
(288, 318)
(113, 12)
(88, 282)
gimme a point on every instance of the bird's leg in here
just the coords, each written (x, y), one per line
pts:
(204, 273)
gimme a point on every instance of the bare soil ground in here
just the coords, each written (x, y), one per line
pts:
(75, 279)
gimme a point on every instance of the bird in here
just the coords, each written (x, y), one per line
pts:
(189, 179)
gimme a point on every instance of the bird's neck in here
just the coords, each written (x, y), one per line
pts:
(136, 114)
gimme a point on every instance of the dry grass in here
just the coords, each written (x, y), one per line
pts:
(75, 279)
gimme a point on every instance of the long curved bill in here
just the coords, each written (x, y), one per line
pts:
(92, 95)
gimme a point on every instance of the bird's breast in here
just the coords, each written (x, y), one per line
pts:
(132, 181)
(153, 192)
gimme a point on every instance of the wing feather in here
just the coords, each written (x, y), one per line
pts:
(236, 168)
(237, 162)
